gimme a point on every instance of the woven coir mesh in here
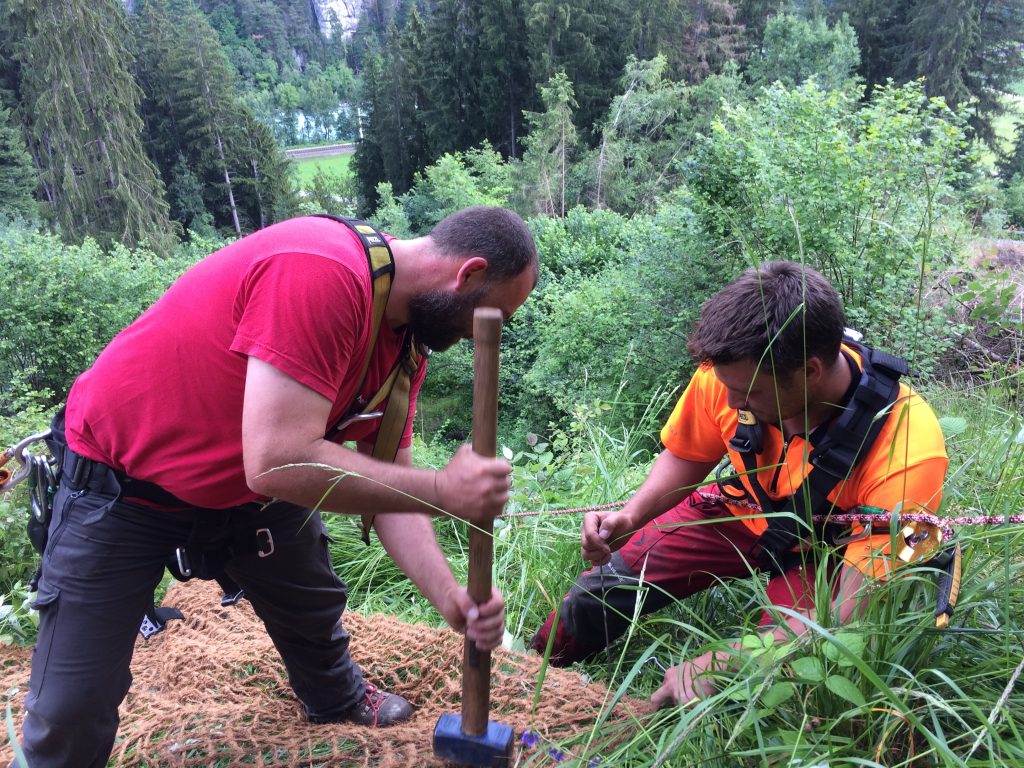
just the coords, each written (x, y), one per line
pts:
(211, 690)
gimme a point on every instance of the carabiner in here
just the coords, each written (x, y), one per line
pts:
(42, 485)
(17, 451)
(359, 417)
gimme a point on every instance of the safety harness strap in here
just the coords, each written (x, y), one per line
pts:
(837, 448)
(397, 386)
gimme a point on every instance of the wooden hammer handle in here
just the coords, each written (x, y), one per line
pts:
(476, 667)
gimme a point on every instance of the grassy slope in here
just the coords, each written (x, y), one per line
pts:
(304, 169)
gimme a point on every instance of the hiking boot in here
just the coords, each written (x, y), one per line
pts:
(377, 709)
(565, 650)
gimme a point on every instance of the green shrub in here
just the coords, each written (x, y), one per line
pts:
(866, 192)
(1012, 198)
(62, 303)
(618, 335)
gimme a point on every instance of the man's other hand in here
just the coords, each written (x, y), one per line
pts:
(603, 533)
(484, 624)
(686, 682)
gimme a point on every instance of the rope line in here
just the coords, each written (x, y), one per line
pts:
(945, 524)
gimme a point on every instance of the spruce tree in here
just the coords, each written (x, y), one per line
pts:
(17, 175)
(186, 195)
(879, 25)
(548, 149)
(192, 111)
(585, 40)
(376, 132)
(204, 84)
(453, 68)
(505, 89)
(696, 37)
(415, 93)
(266, 190)
(968, 51)
(80, 104)
(940, 40)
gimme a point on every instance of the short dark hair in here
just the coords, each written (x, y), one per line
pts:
(782, 311)
(495, 234)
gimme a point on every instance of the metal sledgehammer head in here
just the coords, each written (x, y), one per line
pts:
(493, 747)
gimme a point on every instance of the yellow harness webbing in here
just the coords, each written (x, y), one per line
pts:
(397, 387)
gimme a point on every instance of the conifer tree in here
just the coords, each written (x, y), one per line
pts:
(687, 33)
(395, 143)
(204, 83)
(548, 150)
(583, 39)
(504, 89)
(186, 196)
(17, 175)
(80, 104)
(711, 37)
(192, 111)
(155, 39)
(940, 39)
(641, 138)
(968, 51)
(879, 25)
(415, 91)
(453, 68)
(266, 193)
(368, 161)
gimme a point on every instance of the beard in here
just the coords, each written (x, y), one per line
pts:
(440, 318)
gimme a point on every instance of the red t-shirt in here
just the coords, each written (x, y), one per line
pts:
(163, 401)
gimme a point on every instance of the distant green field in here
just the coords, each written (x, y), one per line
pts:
(1007, 124)
(304, 169)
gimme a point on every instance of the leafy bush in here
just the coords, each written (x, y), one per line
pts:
(477, 176)
(1012, 198)
(62, 303)
(18, 559)
(796, 49)
(866, 192)
(582, 243)
(618, 334)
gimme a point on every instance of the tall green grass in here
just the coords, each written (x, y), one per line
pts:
(888, 690)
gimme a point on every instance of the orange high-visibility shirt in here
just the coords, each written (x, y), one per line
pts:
(903, 471)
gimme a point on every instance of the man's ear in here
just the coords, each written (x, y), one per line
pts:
(471, 274)
(814, 371)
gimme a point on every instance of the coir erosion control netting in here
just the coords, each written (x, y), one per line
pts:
(211, 690)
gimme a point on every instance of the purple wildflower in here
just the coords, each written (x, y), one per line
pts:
(531, 739)
(594, 762)
(556, 754)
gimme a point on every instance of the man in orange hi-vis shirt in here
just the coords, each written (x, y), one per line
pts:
(809, 423)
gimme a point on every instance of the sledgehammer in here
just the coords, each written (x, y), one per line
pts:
(471, 739)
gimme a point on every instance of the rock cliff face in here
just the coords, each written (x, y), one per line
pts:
(347, 12)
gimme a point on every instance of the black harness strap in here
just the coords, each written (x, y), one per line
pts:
(837, 448)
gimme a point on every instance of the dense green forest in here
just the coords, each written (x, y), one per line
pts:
(656, 148)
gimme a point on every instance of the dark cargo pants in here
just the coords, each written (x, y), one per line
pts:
(104, 558)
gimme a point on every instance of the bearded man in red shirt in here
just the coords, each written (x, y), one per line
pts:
(207, 431)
